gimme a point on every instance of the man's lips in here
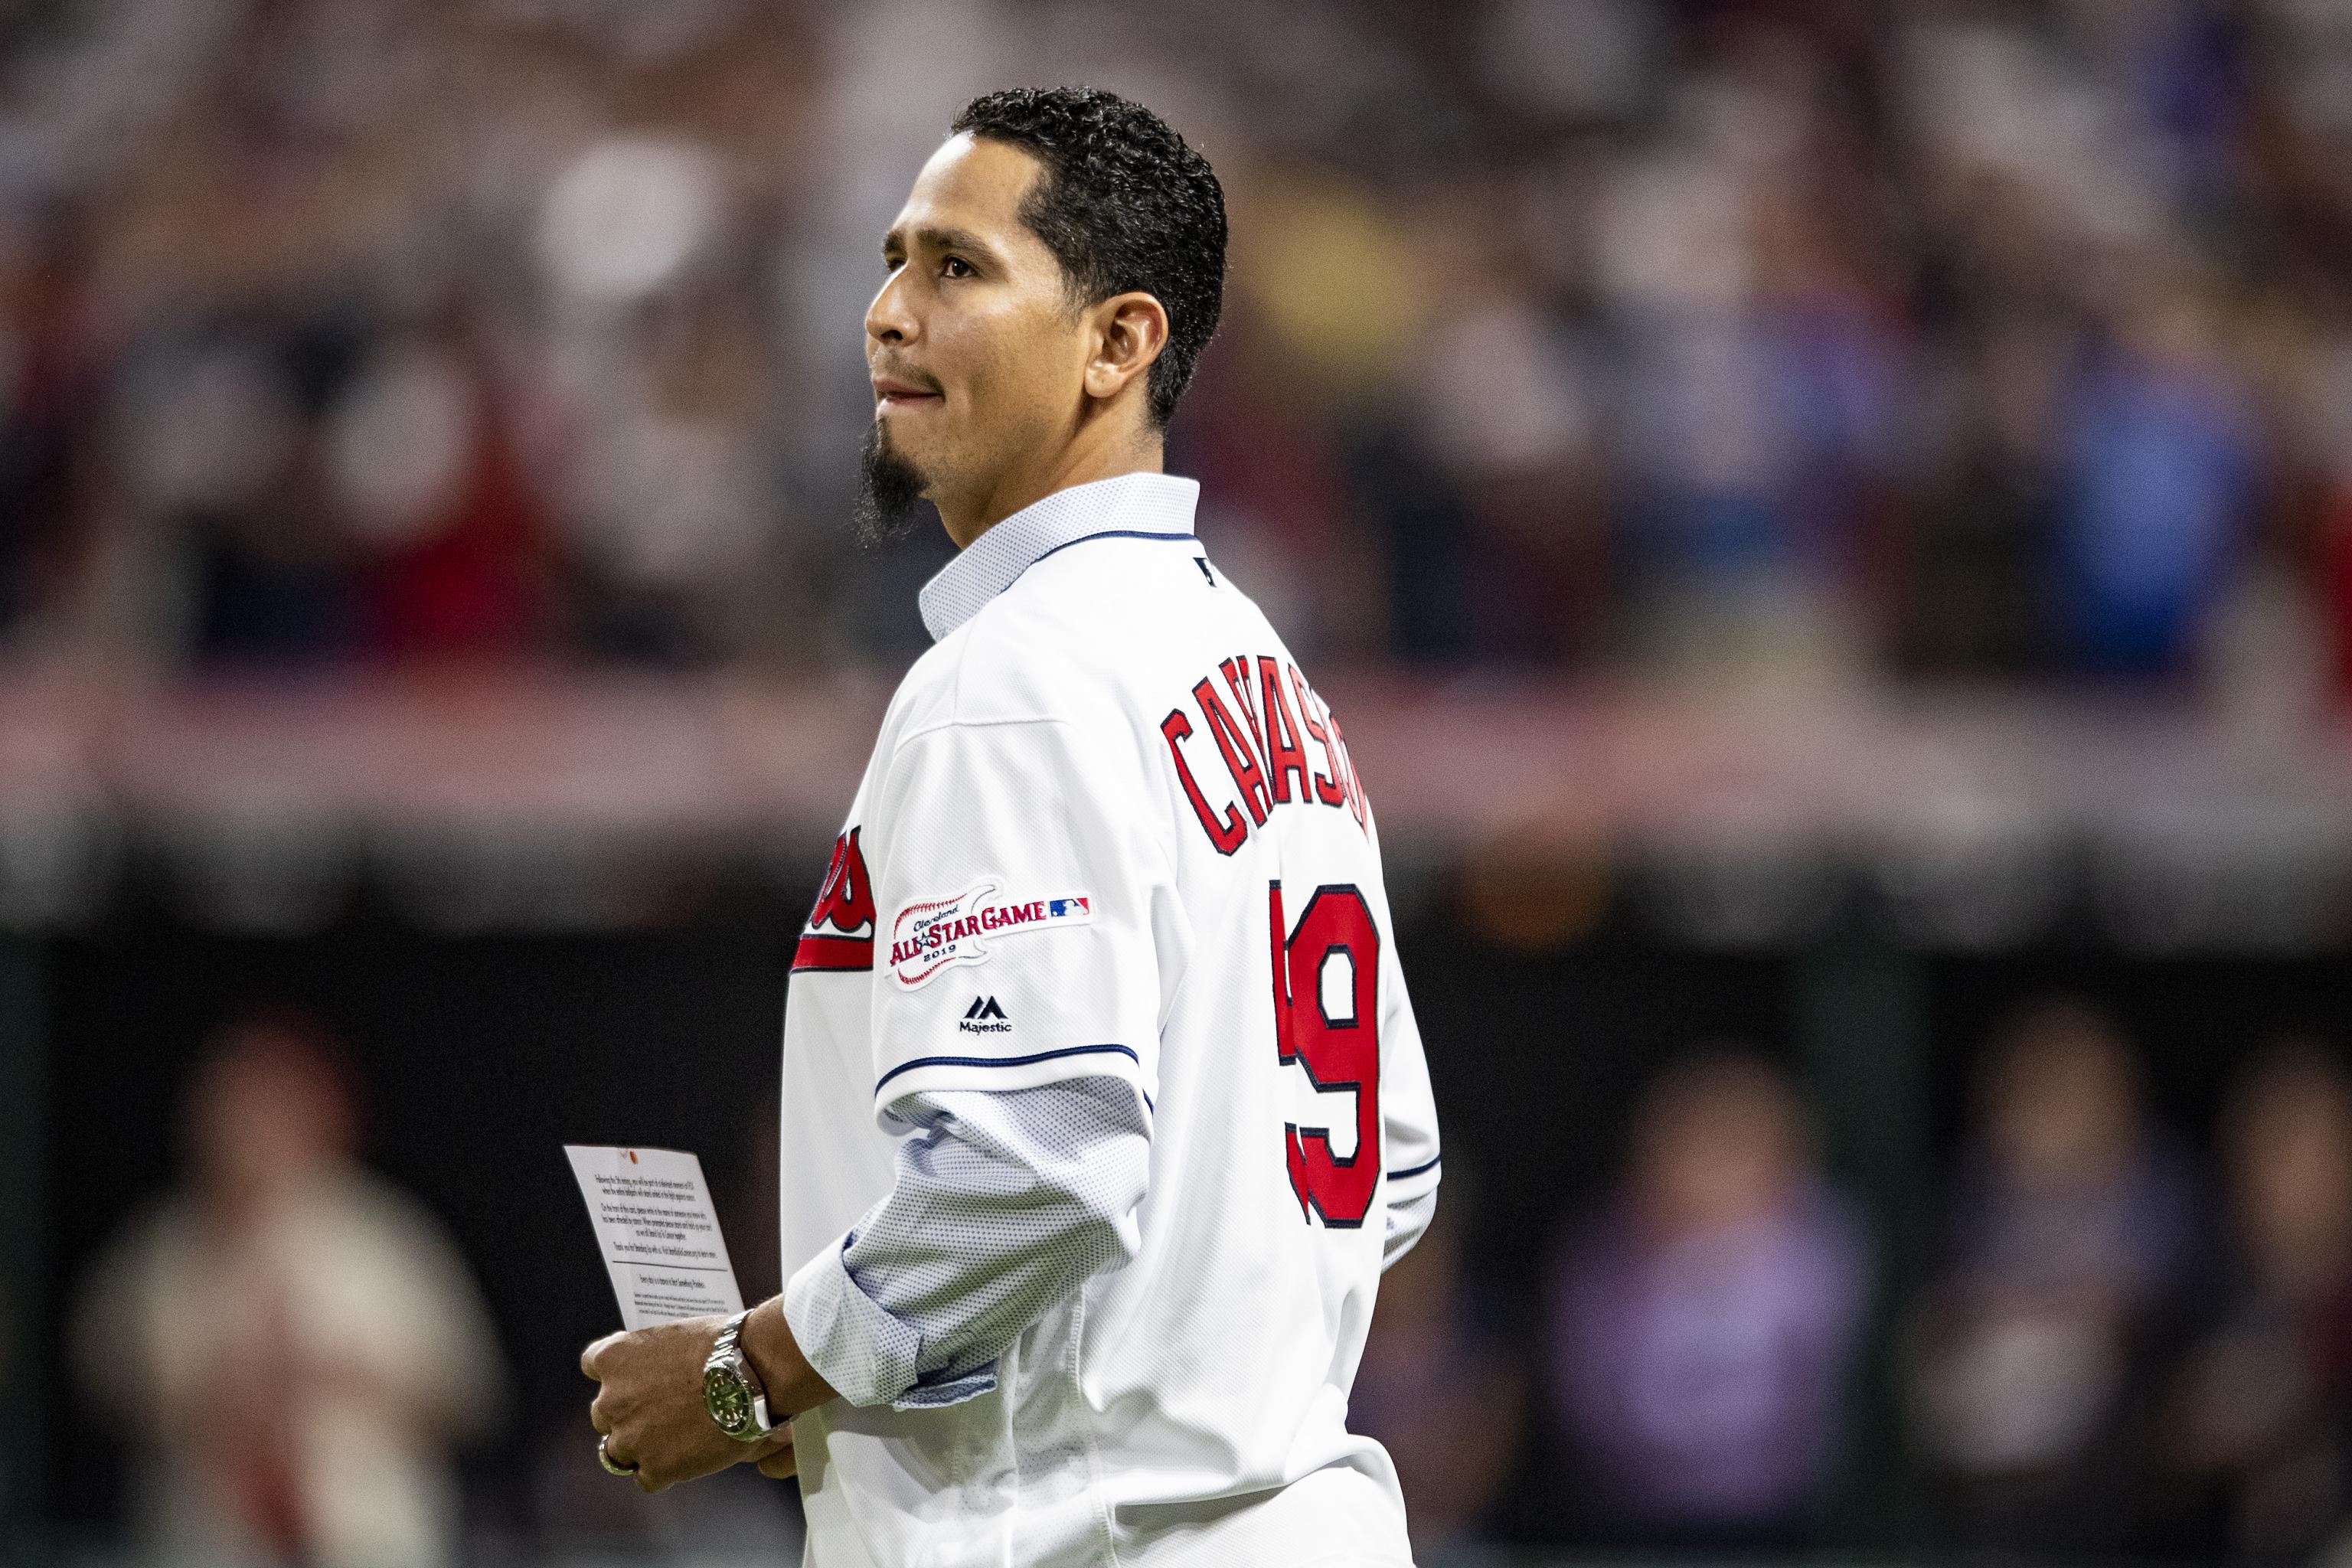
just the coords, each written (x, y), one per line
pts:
(902, 394)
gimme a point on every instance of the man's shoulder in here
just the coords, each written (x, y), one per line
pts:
(1104, 638)
(1026, 657)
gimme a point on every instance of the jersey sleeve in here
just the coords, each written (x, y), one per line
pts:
(1014, 888)
(1000, 1206)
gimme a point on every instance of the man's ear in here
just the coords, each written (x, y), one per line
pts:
(1129, 331)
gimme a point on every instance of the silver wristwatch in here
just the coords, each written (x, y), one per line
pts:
(731, 1391)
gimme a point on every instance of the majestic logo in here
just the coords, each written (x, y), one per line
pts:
(840, 930)
(930, 934)
(985, 1018)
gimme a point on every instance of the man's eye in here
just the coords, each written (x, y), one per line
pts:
(956, 267)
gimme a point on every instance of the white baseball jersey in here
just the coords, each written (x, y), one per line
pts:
(1109, 831)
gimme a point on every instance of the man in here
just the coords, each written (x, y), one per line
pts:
(304, 1340)
(1104, 1106)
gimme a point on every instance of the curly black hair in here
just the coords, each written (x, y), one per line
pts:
(1124, 205)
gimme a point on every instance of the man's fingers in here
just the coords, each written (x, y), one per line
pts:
(599, 1417)
(588, 1357)
(775, 1458)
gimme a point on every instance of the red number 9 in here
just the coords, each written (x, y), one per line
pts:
(1338, 1054)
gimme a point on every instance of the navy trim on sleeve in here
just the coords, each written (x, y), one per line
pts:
(1429, 1164)
(1000, 1061)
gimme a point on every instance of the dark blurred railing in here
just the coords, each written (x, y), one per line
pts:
(1969, 821)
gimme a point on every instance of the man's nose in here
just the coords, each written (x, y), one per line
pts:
(887, 320)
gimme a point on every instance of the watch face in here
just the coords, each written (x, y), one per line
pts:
(727, 1400)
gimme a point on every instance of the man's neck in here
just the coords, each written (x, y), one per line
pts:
(1074, 466)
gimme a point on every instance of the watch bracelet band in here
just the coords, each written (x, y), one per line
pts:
(729, 1344)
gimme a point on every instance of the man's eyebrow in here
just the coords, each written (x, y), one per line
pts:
(936, 237)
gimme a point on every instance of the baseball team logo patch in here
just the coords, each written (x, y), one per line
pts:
(933, 935)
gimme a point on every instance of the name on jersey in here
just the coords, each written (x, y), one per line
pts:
(1280, 745)
(933, 935)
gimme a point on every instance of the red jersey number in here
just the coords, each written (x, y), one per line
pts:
(1341, 1055)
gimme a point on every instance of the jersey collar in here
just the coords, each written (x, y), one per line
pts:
(1143, 504)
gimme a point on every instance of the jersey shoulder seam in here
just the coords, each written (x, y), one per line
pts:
(938, 725)
(960, 658)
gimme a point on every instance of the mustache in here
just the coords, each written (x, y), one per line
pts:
(882, 369)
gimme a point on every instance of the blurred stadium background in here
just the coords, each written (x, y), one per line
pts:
(1830, 526)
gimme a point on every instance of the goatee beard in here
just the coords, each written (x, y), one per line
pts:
(887, 496)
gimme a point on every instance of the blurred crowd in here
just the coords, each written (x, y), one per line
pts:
(1978, 337)
(2118, 1344)
(2115, 1348)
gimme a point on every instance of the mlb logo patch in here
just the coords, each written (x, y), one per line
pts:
(933, 935)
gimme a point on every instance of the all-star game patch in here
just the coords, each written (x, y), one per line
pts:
(933, 935)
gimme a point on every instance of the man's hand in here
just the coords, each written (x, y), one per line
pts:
(651, 1412)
